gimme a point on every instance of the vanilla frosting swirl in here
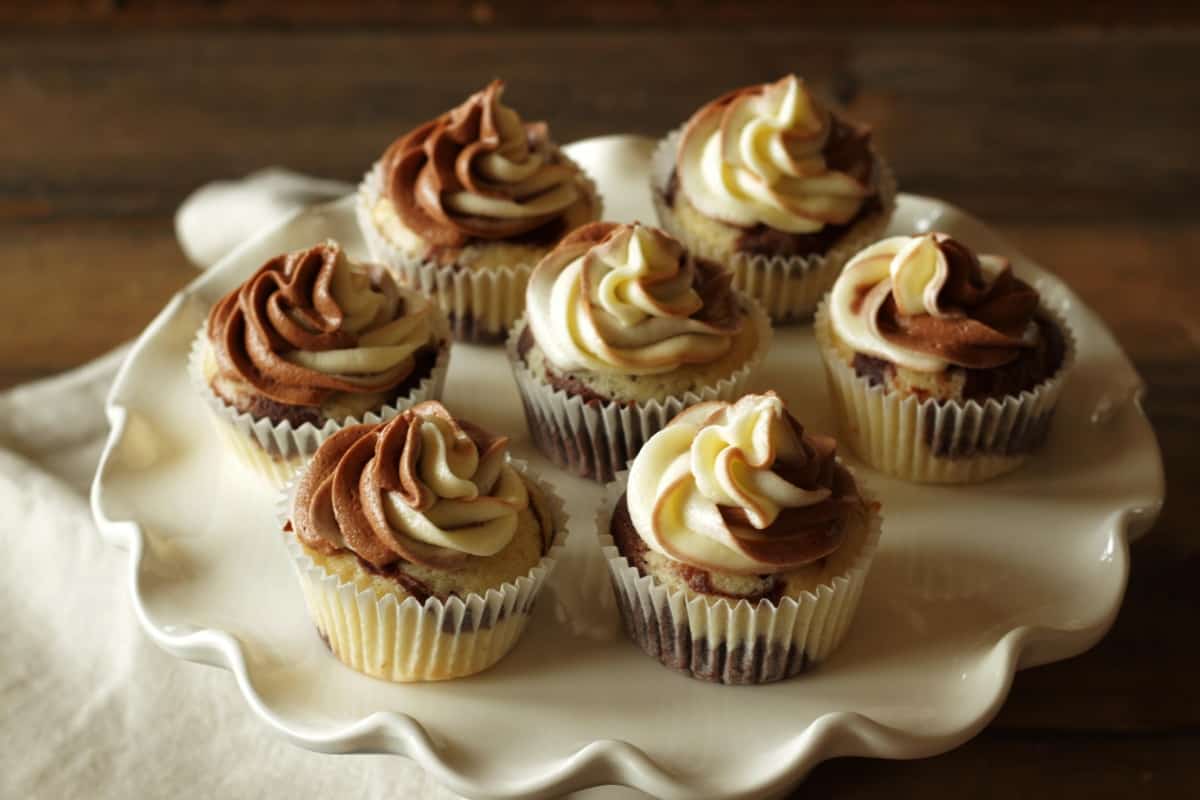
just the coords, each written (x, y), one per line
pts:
(927, 302)
(757, 156)
(740, 488)
(422, 487)
(628, 300)
(312, 323)
(479, 172)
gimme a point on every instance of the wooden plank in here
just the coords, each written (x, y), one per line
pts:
(75, 290)
(1003, 766)
(854, 14)
(1023, 127)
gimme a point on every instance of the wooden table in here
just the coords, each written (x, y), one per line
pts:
(1079, 144)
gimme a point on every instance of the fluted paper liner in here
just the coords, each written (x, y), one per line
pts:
(277, 449)
(407, 640)
(788, 287)
(932, 441)
(718, 640)
(481, 304)
(596, 439)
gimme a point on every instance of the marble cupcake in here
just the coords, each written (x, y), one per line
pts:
(738, 544)
(623, 330)
(944, 366)
(420, 545)
(464, 206)
(770, 183)
(312, 342)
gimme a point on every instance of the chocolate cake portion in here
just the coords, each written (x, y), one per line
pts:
(590, 455)
(659, 635)
(1031, 368)
(466, 328)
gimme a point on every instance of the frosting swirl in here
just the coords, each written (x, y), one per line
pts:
(311, 323)
(928, 302)
(422, 487)
(740, 488)
(479, 172)
(758, 156)
(628, 300)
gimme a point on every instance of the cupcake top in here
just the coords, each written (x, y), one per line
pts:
(618, 299)
(772, 155)
(423, 488)
(480, 172)
(312, 323)
(740, 488)
(928, 303)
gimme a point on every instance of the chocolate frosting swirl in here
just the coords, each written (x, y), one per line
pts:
(479, 172)
(928, 302)
(310, 323)
(741, 488)
(423, 487)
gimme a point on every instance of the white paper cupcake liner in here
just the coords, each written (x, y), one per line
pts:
(721, 641)
(789, 288)
(935, 441)
(277, 449)
(406, 640)
(596, 439)
(481, 304)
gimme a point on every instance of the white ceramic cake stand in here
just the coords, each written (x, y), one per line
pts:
(970, 583)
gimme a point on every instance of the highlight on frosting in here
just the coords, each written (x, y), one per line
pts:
(628, 300)
(479, 171)
(740, 488)
(312, 323)
(928, 302)
(756, 156)
(423, 487)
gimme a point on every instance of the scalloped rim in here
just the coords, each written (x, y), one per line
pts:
(604, 761)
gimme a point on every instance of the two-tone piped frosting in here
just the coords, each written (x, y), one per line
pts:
(772, 155)
(312, 323)
(740, 488)
(928, 302)
(424, 487)
(629, 300)
(479, 172)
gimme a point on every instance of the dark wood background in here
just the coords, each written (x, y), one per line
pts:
(1072, 129)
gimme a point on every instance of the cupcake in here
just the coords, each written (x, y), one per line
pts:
(738, 543)
(310, 343)
(773, 185)
(464, 206)
(420, 546)
(943, 365)
(623, 330)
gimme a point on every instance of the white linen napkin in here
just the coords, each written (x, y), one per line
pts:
(89, 707)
